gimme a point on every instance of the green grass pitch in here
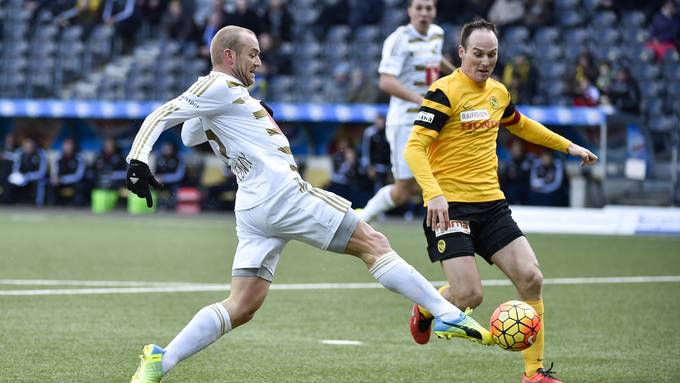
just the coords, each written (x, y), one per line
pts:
(624, 332)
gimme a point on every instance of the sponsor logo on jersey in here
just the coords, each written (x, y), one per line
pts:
(474, 115)
(425, 116)
(455, 226)
(471, 120)
(189, 101)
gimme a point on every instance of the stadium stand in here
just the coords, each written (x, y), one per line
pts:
(49, 52)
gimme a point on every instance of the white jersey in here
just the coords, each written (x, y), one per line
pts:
(219, 109)
(415, 61)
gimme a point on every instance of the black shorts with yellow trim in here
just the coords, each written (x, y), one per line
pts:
(476, 227)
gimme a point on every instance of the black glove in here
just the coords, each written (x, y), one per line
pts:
(139, 178)
(267, 108)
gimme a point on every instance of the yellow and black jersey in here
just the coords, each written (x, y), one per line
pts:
(452, 148)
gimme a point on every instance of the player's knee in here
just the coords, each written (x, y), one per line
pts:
(467, 297)
(531, 281)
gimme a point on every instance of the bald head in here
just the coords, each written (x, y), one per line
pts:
(230, 37)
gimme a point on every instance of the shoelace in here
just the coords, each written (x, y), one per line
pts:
(549, 372)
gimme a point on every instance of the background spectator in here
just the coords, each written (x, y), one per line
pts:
(170, 170)
(548, 181)
(665, 29)
(7, 157)
(110, 167)
(29, 174)
(624, 93)
(278, 21)
(515, 174)
(375, 154)
(67, 176)
(521, 78)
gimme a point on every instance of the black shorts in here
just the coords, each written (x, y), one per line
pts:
(478, 227)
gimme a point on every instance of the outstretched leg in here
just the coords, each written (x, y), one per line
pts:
(208, 325)
(395, 274)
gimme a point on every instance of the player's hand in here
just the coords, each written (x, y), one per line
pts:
(438, 213)
(267, 108)
(587, 157)
(139, 178)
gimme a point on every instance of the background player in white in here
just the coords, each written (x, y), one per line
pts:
(411, 62)
(273, 205)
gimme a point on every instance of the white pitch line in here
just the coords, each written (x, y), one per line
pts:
(169, 287)
(341, 342)
(82, 283)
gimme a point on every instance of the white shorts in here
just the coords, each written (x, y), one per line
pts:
(397, 136)
(299, 211)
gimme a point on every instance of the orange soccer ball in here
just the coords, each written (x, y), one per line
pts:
(514, 325)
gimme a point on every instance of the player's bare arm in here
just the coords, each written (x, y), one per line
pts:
(390, 85)
(587, 157)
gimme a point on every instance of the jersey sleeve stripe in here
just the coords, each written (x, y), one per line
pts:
(431, 118)
(438, 96)
(509, 111)
(260, 114)
(197, 84)
(205, 87)
(512, 120)
(147, 131)
(285, 149)
(436, 106)
(136, 146)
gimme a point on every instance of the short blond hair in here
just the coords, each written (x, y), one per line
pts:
(229, 37)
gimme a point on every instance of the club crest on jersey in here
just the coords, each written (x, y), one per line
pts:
(425, 117)
(493, 101)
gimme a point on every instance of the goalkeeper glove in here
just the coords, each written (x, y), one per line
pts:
(139, 178)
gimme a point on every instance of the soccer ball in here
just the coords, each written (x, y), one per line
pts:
(514, 325)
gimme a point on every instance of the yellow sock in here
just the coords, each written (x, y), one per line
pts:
(424, 311)
(533, 356)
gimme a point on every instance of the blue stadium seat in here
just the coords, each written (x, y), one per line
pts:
(570, 18)
(575, 37)
(566, 4)
(633, 19)
(338, 33)
(651, 89)
(516, 35)
(547, 35)
(367, 34)
(604, 18)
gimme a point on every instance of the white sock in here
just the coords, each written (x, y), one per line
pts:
(381, 202)
(397, 275)
(209, 323)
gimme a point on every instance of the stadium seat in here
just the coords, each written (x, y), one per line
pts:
(633, 19)
(570, 18)
(662, 123)
(566, 4)
(516, 35)
(338, 33)
(647, 71)
(367, 34)
(651, 89)
(547, 35)
(575, 37)
(604, 18)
